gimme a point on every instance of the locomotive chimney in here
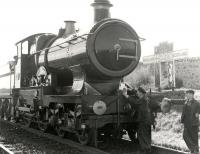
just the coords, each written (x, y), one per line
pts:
(101, 9)
(69, 28)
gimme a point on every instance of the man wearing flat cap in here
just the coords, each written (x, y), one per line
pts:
(190, 119)
(143, 118)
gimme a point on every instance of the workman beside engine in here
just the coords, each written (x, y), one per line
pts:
(190, 119)
(143, 117)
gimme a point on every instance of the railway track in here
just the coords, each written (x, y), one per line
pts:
(121, 147)
(163, 150)
(8, 149)
(49, 140)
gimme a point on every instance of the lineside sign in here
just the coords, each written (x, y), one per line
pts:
(164, 57)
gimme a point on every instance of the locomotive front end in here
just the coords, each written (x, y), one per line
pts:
(113, 48)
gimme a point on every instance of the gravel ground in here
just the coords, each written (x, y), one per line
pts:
(32, 144)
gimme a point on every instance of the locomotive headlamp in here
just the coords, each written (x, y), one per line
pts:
(99, 107)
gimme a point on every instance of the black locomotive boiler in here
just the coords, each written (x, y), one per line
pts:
(70, 81)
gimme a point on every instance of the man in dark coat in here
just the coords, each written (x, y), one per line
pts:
(190, 119)
(143, 119)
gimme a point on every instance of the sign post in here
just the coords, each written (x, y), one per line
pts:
(164, 66)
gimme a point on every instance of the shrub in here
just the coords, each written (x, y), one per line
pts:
(140, 78)
(177, 128)
(143, 79)
(166, 125)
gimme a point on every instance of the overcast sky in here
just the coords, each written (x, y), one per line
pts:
(175, 21)
(156, 20)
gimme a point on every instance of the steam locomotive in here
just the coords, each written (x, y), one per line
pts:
(70, 81)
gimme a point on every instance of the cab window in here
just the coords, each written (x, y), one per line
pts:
(25, 47)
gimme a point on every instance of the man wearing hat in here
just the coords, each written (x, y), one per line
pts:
(190, 119)
(143, 118)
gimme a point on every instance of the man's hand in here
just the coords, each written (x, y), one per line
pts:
(124, 92)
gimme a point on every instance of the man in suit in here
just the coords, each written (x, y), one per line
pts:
(190, 119)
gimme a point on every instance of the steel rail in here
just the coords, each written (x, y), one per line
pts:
(163, 150)
(4, 150)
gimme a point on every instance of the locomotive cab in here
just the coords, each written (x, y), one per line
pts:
(27, 54)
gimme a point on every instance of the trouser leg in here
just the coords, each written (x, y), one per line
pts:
(2, 111)
(190, 136)
(144, 137)
(132, 131)
(194, 133)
